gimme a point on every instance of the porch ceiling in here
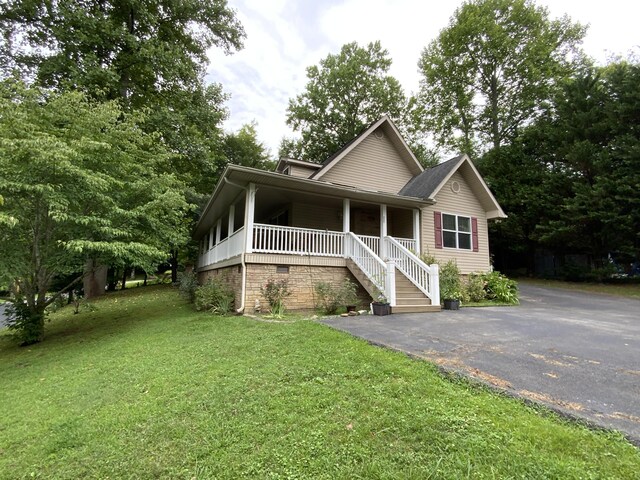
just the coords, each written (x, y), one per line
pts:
(235, 179)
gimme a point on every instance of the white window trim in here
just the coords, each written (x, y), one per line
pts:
(457, 231)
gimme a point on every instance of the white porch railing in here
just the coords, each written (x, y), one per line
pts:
(408, 243)
(425, 277)
(372, 242)
(297, 241)
(227, 248)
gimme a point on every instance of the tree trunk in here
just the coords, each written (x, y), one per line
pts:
(124, 278)
(95, 279)
(145, 279)
(495, 121)
(174, 265)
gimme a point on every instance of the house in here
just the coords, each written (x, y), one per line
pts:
(365, 214)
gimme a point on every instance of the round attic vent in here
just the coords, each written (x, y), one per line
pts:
(379, 135)
(455, 187)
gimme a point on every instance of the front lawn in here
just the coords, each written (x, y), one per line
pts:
(144, 387)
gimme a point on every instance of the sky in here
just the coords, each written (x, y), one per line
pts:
(284, 37)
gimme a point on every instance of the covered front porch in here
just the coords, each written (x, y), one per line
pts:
(375, 240)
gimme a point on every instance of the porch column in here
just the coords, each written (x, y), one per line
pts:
(416, 229)
(383, 231)
(218, 230)
(249, 212)
(211, 239)
(232, 214)
(346, 215)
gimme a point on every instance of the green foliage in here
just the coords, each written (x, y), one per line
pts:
(244, 148)
(330, 297)
(450, 283)
(214, 296)
(487, 73)
(142, 53)
(344, 94)
(500, 288)
(187, 285)
(474, 288)
(80, 180)
(275, 292)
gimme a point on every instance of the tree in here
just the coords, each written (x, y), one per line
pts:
(81, 180)
(489, 71)
(117, 49)
(345, 93)
(598, 143)
(146, 55)
(244, 148)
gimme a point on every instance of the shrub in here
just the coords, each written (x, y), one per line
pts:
(500, 288)
(330, 298)
(214, 296)
(187, 284)
(275, 291)
(450, 285)
(474, 288)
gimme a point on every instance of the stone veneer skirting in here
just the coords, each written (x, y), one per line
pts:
(302, 279)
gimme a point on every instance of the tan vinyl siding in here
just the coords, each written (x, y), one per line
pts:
(374, 164)
(462, 203)
(300, 171)
(316, 216)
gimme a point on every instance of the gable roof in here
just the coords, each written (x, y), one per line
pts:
(385, 122)
(430, 182)
(426, 184)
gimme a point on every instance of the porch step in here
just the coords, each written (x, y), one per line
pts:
(415, 308)
(412, 300)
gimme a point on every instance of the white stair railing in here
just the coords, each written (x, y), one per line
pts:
(423, 276)
(370, 264)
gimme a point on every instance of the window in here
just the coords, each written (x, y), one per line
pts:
(456, 231)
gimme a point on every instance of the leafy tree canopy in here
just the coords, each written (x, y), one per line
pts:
(244, 148)
(116, 49)
(488, 72)
(80, 180)
(345, 93)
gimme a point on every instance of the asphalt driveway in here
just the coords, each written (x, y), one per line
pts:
(577, 353)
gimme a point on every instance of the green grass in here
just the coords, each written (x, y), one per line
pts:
(629, 290)
(144, 387)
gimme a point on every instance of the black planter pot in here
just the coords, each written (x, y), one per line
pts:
(451, 304)
(381, 309)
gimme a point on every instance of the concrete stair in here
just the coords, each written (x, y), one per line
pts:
(409, 299)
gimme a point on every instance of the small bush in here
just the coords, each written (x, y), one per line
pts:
(187, 285)
(275, 291)
(474, 288)
(331, 298)
(450, 284)
(428, 259)
(214, 296)
(500, 288)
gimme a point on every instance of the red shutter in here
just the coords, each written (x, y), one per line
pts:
(474, 233)
(437, 222)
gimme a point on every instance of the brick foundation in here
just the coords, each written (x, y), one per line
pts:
(231, 275)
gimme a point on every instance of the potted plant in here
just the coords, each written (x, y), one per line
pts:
(450, 285)
(348, 295)
(380, 305)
